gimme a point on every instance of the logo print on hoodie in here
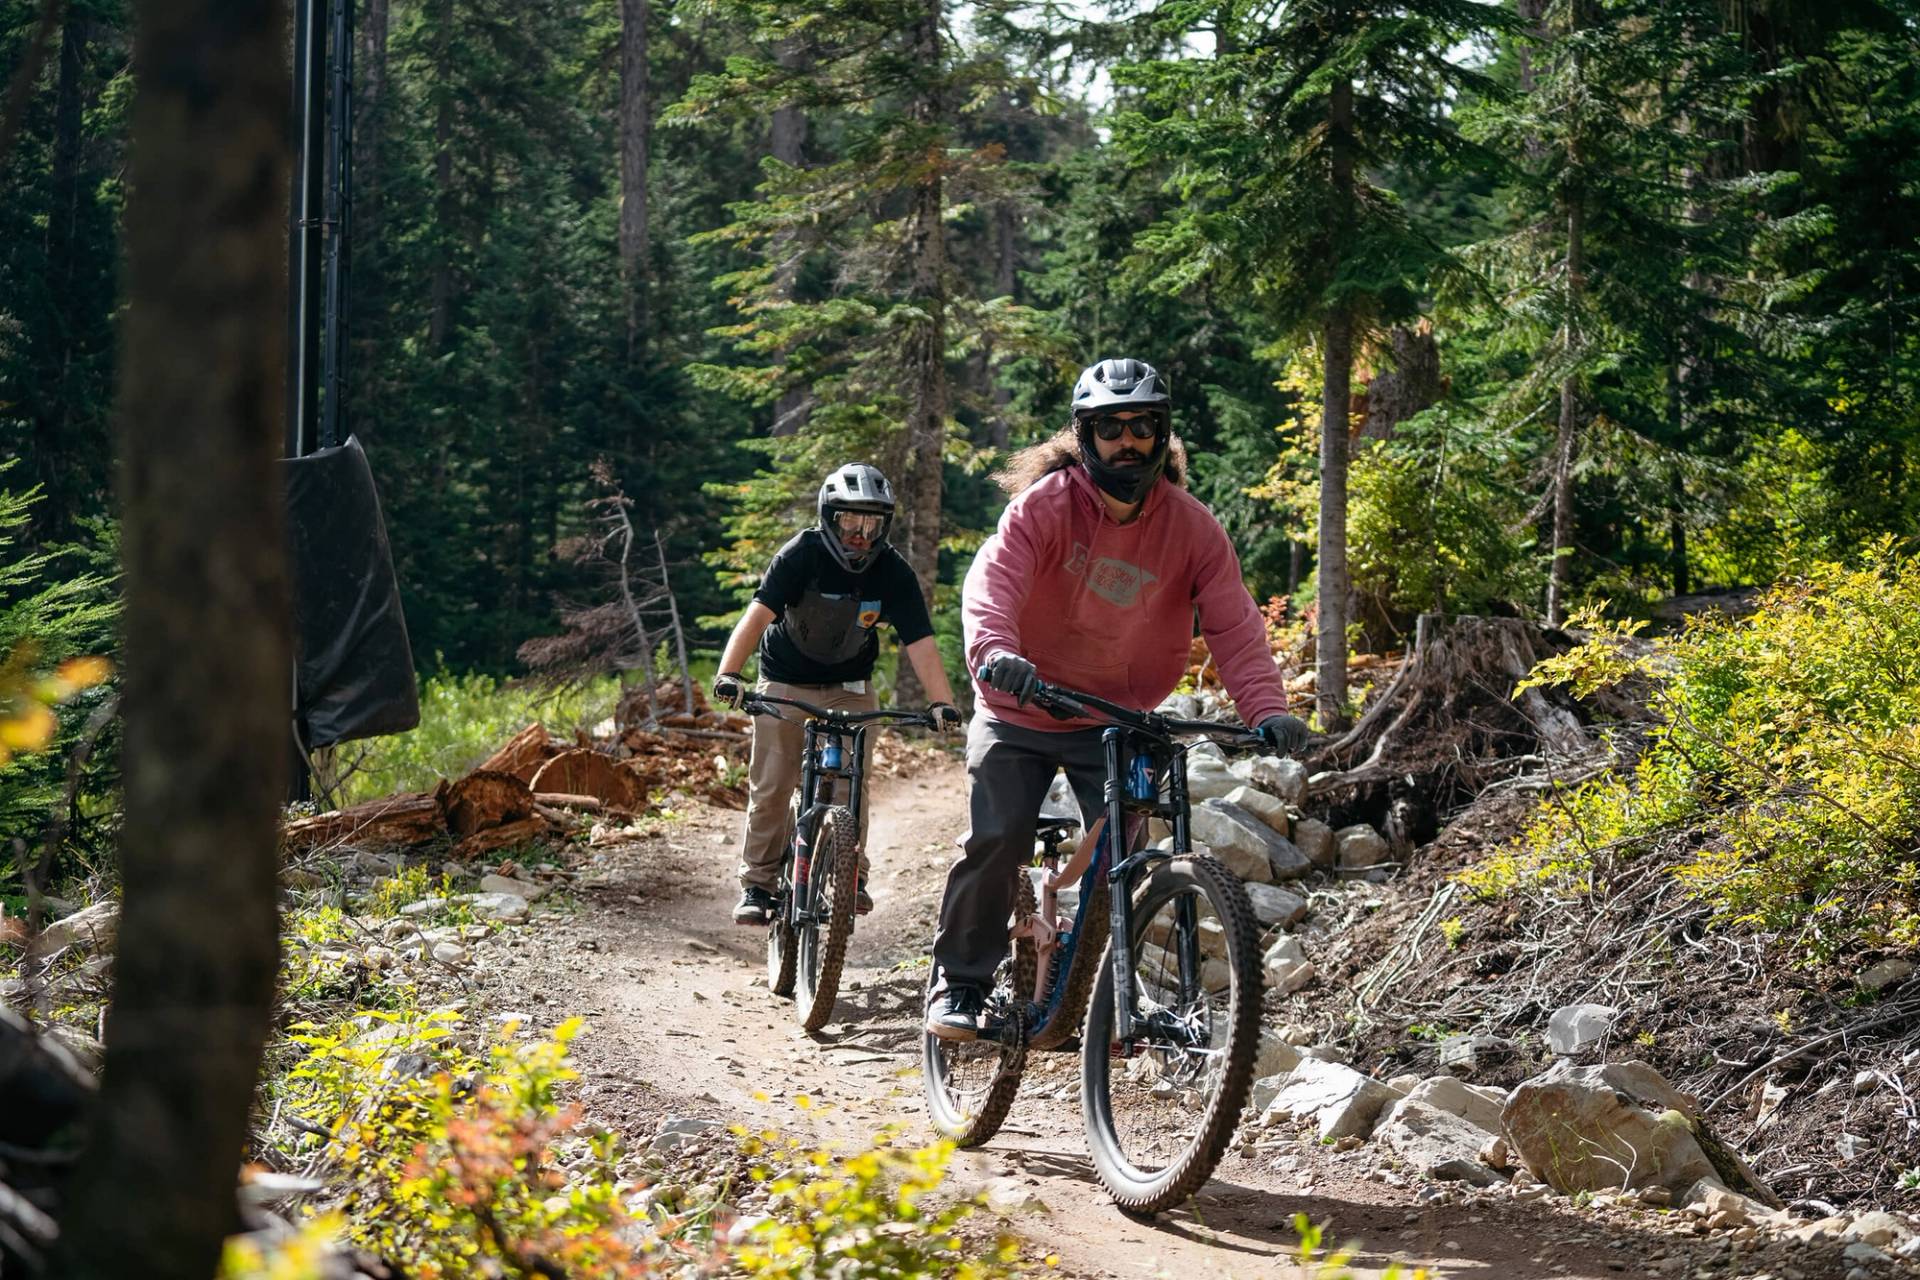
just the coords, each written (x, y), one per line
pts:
(1115, 581)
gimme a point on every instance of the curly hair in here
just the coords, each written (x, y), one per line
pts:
(1031, 465)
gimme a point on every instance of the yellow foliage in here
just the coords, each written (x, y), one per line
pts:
(28, 696)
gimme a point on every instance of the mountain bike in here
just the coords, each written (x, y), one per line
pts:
(820, 872)
(1164, 966)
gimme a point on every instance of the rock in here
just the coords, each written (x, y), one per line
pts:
(1495, 1155)
(1237, 838)
(1437, 1143)
(93, 926)
(1207, 752)
(1576, 1026)
(1181, 706)
(1613, 1127)
(1314, 839)
(1275, 1056)
(1865, 1082)
(449, 953)
(424, 907)
(1325, 1052)
(1287, 966)
(1340, 1101)
(1275, 906)
(1712, 1201)
(679, 1131)
(1886, 974)
(1284, 861)
(1264, 1090)
(1295, 1033)
(1860, 1251)
(1262, 806)
(507, 884)
(1209, 782)
(1878, 1228)
(496, 906)
(1464, 1054)
(1010, 1195)
(1404, 1083)
(1448, 1094)
(1278, 776)
(1359, 847)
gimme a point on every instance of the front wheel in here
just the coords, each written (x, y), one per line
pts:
(1161, 1105)
(826, 921)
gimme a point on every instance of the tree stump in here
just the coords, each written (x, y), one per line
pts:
(583, 772)
(412, 817)
(483, 799)
(500, 837)
(521, 755)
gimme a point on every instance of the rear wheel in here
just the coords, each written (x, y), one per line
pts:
(824, 929)
(1161, 1107)
(970, 1084)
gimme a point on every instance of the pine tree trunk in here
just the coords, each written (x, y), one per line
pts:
(207, 649)
(53, 415)
(1331, 632)
(636, 123)
(1567, 439)
(440, 302)
(1005, 231)
(787, 140)
(927, 357)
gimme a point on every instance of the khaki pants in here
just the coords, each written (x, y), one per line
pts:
(775, 772)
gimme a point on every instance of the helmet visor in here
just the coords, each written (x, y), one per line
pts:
(858, 524)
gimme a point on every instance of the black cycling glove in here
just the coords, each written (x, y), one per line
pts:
(1011, 673)
(946, 716)
(1285, 734)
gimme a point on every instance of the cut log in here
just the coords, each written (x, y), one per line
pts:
(561, 800)
(589, 773)
(485, 798)
(522, 755)
(412, 817)
(484, 842)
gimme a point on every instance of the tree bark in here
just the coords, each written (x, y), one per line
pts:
(1331, 630)
(927, 351)
(1005, 232)
(440, 299)
(787, 140)
(207, 649)
(53, 416)
(636, 123)
(1567, 438)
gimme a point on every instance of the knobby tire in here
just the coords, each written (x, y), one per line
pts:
(972, 1130)
(822, 948)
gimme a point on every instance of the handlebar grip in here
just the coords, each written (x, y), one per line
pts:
(984, 672)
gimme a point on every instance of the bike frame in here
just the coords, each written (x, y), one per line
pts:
(824, 728)
(1146, 768)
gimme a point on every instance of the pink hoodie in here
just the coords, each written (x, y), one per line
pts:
(1107, 607)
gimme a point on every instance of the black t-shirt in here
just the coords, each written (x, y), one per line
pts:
(826, 620)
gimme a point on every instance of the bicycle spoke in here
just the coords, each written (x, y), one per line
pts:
(1163, 1081)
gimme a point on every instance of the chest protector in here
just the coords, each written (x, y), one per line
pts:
(831, 629)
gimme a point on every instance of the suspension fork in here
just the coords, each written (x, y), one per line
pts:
(1120, 877)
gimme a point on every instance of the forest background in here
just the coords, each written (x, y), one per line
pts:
(1602, 299)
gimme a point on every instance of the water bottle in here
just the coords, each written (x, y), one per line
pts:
(1140, 777)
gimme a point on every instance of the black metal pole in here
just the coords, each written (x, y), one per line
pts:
(333, 420)
(303, 228)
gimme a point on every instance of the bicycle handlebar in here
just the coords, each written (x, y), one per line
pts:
(1065, 703)
(763, 704)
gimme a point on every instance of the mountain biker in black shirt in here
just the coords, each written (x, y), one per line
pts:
(815, 621)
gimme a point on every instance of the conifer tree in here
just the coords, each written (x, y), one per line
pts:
(1272, 140)
(886, 86)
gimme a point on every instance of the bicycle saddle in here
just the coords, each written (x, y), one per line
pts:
(1059, 814)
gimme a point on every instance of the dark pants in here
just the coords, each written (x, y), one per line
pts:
(1009, 769)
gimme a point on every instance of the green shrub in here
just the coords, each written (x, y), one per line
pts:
(1785, 772)
(462, 719)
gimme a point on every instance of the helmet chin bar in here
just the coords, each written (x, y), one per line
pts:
(1127, 484)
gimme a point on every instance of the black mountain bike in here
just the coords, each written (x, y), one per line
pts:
(820, 874)
(1169, 955)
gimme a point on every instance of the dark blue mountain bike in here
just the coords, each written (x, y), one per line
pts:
(820, 872)
(1169, 955)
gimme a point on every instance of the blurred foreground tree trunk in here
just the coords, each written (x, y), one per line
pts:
(207, 650)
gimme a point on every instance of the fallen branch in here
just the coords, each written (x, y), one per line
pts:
(1860, 1028)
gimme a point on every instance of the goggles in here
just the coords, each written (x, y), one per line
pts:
(862, 524)
(1141, 425)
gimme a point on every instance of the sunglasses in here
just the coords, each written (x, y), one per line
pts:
(1141, 426)
(857, 523)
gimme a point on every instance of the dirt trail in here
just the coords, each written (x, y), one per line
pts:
(682, 1024)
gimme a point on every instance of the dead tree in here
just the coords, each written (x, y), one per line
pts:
(618, 634)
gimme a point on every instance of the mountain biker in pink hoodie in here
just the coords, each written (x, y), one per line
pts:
(1094, 579)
